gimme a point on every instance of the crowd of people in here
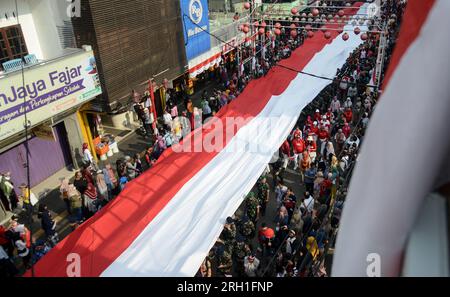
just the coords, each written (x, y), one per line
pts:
(322, 150)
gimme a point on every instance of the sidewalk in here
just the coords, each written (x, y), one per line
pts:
(129, 143)
(48, 190)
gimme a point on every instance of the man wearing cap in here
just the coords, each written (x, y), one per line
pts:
(299, 147)
(247, 229)
(292, 243)
(239, 253)
(252, 207)
(263, 194)
(229, 234)
(317, 116)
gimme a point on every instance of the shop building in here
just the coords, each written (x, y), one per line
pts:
(42, 74)
(134, 41)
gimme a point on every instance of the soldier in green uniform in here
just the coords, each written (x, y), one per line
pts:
(229, 234)
(239, 253)
(252, 207)
(263, 194)
(225, 263)
(248, 229)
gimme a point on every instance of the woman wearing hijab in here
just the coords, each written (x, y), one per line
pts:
(110, 179)
(76, 202)
(197, 118)
(311, 255)
(317, 182)
(90, 200)
(282, 218)
(64, 190)
(86, 172)
(88, 159)
(329, 151)
(101, 186)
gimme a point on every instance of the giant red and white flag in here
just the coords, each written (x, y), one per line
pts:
(165, 221)
(406, 149)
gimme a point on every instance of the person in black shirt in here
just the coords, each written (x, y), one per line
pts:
(48, 224)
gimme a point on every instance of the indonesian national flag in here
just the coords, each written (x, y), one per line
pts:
(405, 154)
(165, 221)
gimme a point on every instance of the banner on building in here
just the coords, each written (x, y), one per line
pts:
(49, 90)
(194, 14)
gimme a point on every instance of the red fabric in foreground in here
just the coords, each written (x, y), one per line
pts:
(101, 239)
(415, 16)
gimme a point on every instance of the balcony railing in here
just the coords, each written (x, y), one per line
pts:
(30, 61)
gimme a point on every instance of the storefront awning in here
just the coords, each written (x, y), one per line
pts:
(204, 62)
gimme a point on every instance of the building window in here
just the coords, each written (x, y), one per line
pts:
(12, 44)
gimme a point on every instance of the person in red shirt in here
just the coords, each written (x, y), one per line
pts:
(265, 236)
(346, 130)
(323, 137)
(307, 129)
(325, 122)
(297, 133)
(317, 116)
(299, 146)
(286, 153)
(348, 114)
(330, 115)
(325, 190)
(309, 120)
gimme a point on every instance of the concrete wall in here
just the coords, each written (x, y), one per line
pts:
(75, 137)
(27, 23)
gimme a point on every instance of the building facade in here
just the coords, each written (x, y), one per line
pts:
(134, 40)
(45, 77)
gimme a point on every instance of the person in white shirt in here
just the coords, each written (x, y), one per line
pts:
(167, 118)
(291, 244)
(348, 103)
(88, 159)
(335, 105)
(308, 203)
(352, 140)
(365, 120)
(352, 91)
(363, 54)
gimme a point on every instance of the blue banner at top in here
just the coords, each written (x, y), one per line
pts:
(194, 14)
